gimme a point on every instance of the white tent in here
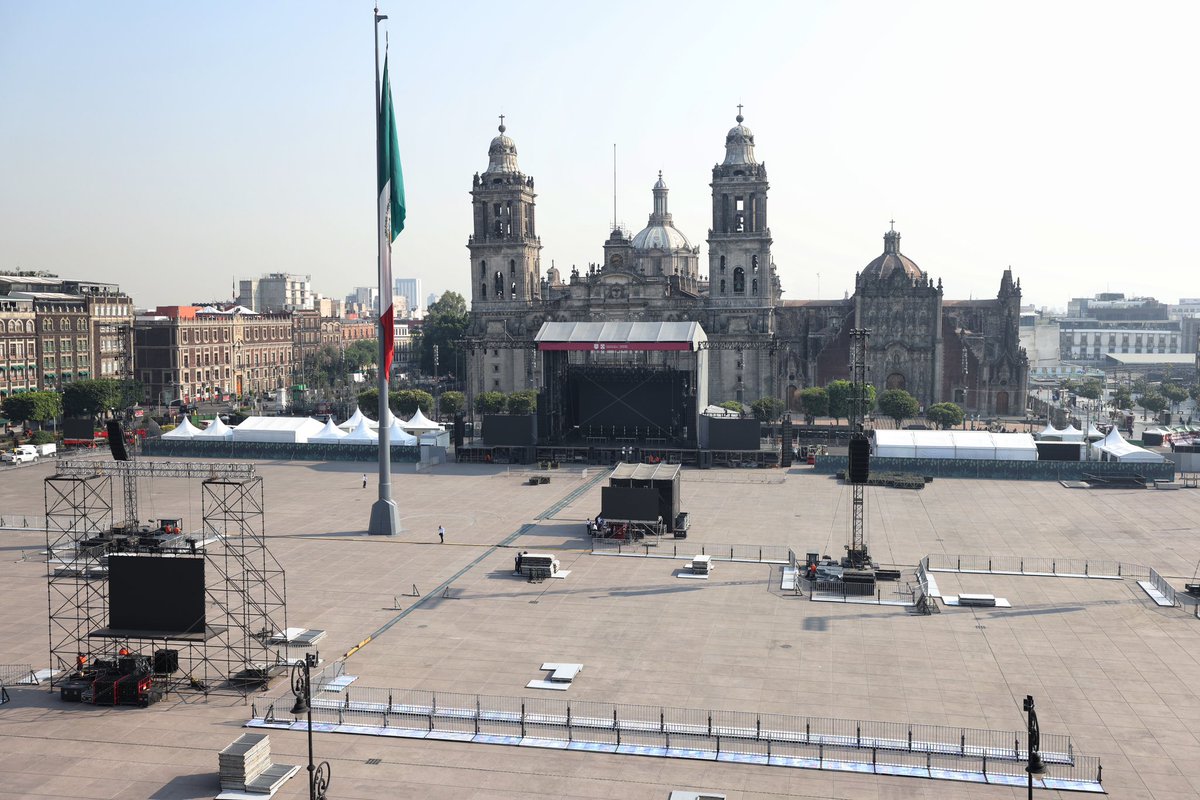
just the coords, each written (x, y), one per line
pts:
(329, 434)
(979, 445)
(352, 423)
(398, 436)
(185, 430)
(420, 422)
(217, 430)
(1093, 434)
(361, 435)
(1115, 448)
(374, 423)
(286, 430)
(1072, 434)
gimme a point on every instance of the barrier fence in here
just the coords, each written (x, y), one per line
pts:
(1005, 470)
(1031, 565)
(781, 739)
(22, 522)
(1168, 591)
(672, 548)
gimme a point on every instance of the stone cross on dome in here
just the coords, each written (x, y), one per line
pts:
(739, 116)
(502, 128)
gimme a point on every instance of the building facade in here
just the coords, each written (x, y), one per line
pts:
(760, 344)
(277, 292)
(18, 347)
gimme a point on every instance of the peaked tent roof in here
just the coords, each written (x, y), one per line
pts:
(398, 436)
(1116, 446)
(185, 430)
(420, 422)
(352, 423)
(216, 430)
(330, 433)
(1094, 434)
(361, 435)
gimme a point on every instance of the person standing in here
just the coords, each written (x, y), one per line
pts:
(364, 480)
(441, 535)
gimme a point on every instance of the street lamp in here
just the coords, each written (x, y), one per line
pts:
(319, 777)
(1033, 742)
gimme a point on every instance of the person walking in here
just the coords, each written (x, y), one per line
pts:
(364, 480)
(441, 535)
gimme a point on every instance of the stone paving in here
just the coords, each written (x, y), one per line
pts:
(1105, 664)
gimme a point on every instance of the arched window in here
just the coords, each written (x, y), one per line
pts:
(81, 325)
(722, 286)
(754, 264)
(498, 280)
(483, 289)
(512, 266)
(514, 290)
(754, 286)
(483, 269)
(722, 265)
(64, 324)
(739, 280)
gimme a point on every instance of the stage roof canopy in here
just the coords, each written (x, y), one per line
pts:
(620, 336)
(645, 472)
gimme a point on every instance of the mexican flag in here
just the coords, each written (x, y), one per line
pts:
(391, 214)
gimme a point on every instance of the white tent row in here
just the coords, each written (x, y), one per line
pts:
(217, 430)
(1114, 448)
(980, 445)
(184, 430)
(1069, 434)
(417, 425)
(297, 430)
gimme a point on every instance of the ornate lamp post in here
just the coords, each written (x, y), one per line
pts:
(319, 777)
(1033, 743)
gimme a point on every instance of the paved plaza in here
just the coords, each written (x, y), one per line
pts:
(1106, 665)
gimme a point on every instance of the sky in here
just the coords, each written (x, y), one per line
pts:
(174, 147)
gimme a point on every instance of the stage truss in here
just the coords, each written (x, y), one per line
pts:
(245, 585)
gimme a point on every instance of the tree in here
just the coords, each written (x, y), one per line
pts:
(945, 415)
(405, 402)
(451, 403)
(1153, 403)
(361, 354)
(1091, 389)
(491, 403)
(91, 398)
(767, 409)
(1174, 392)
(33, 406)
(1194, 392)
(1122, 399)
(898, 404)
(732, 405)
(444, 325)
(1140, 386)
(838, 393)
(815, 401)
(522, 402)
(368, 401)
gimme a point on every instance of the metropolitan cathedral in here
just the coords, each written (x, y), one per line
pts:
(965, 351)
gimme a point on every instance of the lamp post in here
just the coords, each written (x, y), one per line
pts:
(319, 777)
(1033, 744)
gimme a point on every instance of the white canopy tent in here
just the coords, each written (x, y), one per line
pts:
(1093, 434)
(330, 434)
(1114, 448)
(398, 436)
(1072, 434)
(286, 430)
(361, 435)
(216, 430)
(420, 423)
(352, 423)
(185, 430)
(979, 445)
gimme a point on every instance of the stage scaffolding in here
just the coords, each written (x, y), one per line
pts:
(245, 585)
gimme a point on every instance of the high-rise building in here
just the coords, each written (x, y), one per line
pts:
(276, 292)
(410, 289)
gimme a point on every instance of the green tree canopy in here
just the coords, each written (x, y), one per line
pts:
(91, 398)
(1140, 386)
(767, 409)
(945, 415)
(1153, 402)
(898, 404)
(451, 403)
(522, 402)
(1194, 392)
(406, 401)
(368, 402)
(840, 394)
(445, 324)
(1092, 389)
(1122, 399)
(491, 403)
(33, 406)
(1174, 392)
(732, 405)
(360, 354)
(815, 401)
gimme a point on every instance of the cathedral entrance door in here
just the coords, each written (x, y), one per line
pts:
(1002, 402)
(896, 381)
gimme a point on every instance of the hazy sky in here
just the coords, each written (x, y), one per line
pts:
(173, 146)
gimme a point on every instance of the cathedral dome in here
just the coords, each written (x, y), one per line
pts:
(502, 153)
(660, 232)
(892, 261)
(739, 144)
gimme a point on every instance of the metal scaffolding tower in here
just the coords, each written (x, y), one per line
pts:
(857, 554)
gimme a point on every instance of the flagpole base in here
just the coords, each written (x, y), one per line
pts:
(384, 520)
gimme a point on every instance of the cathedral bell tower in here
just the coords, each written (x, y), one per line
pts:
(505, 248)
(739, 242)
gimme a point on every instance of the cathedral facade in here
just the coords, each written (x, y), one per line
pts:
(760, 344)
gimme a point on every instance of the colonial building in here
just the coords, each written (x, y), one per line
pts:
(760, 344)
(18, 347)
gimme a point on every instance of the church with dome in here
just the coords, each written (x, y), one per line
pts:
(760, 345)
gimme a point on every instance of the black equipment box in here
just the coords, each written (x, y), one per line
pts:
(72, 691)
(166, 662)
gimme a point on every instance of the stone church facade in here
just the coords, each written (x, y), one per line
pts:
(760, 344)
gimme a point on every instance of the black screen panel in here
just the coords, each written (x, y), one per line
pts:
(156, 593)
(624, 503)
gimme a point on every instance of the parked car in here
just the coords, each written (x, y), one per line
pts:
(25, 454)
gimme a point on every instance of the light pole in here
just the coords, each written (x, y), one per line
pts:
(319, 777)
(1033, 744)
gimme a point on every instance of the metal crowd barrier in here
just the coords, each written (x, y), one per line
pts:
(803, 741)
(1035, 565)
(22, 522)
(669, 548)
(1160, 583)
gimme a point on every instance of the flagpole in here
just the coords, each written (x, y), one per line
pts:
(383, 511)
